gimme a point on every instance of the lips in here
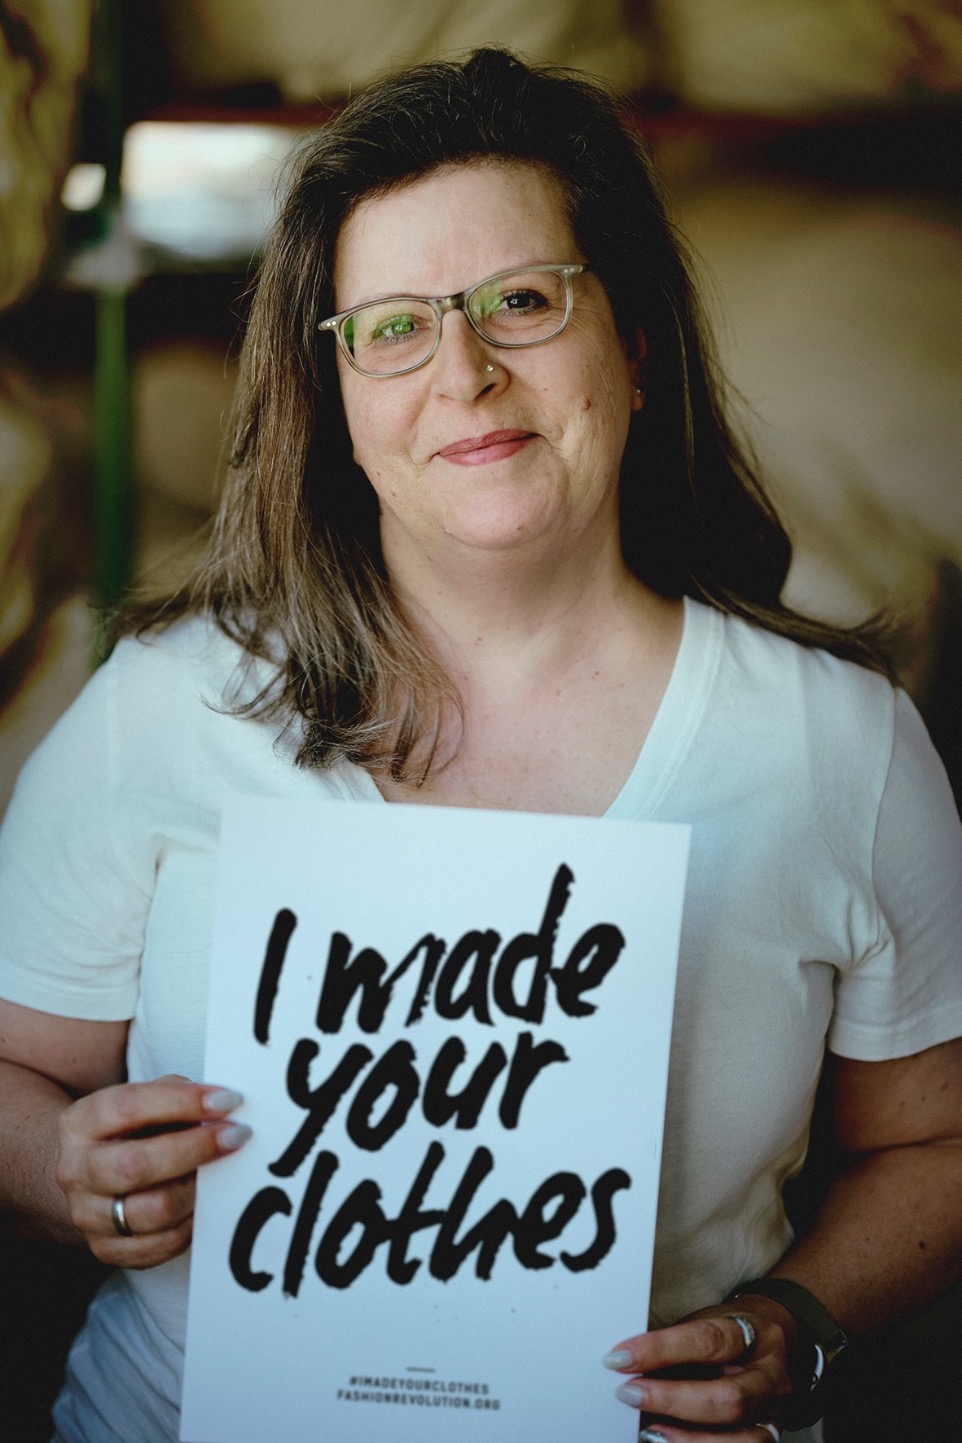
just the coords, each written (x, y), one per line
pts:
(493, 446)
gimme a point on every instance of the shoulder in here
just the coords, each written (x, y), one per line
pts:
(165, 676)
(857, 738)
(194, 655)
(770, 659)
(811, 732)
(151, 694)
(804, 692)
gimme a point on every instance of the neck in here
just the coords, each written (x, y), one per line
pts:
(548, 664)
(511, 615)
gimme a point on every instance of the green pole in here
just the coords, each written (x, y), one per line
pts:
(114, 491)
(112, 430)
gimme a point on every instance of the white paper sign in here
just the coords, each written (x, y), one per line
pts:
(451, 1029)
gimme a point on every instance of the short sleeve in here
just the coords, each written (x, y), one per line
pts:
(75, 887)
(905, 993)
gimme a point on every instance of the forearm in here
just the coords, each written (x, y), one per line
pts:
(29, 1144)
(887, 1239)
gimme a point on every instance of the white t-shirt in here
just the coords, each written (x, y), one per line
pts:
(823, 902)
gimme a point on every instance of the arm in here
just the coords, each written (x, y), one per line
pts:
(69, 1140)
(887, 1239)
(889, 1235)
(44, 1062)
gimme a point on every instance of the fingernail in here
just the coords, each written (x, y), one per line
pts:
(233, 1136)
(620, 1358)
(651, 1435)
(632, 1394)
(222, 1099)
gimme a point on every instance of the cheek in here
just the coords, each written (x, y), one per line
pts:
(378, 451)
(605, 384)
(605, 398)
(352, 413)
(367, 432)
(382, 424)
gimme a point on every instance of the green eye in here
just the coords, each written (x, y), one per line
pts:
(393, 328)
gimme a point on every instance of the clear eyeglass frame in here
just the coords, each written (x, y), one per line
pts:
(459, 301)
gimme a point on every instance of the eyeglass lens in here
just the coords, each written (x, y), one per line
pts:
(514, 310)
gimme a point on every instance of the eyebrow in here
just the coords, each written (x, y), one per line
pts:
(435, 295)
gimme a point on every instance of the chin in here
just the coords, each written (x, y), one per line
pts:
(501, 533)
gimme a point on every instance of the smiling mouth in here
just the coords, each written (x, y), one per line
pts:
(493, 446)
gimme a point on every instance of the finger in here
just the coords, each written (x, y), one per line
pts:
(142, 1252)
(732, 1400)
(135, 1110)
(155, 1210)
(131, 1107)
(667, 1433)
(135, 1165)
(714, 1341)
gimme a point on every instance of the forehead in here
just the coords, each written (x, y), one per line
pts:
(439, 234)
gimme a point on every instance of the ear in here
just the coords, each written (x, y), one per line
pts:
(637, 350)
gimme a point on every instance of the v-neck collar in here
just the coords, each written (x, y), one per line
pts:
(670, 735)
(679, 715)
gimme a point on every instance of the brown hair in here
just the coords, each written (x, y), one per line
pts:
(294, 570)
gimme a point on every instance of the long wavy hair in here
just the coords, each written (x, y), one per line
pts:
(294, 571)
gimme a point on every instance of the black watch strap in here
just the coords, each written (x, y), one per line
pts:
(826, 1337)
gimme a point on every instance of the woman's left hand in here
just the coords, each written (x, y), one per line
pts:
(699, 1372)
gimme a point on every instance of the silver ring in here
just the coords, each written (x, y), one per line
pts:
(772, 1430)
(749, 1337)
(119, 1219)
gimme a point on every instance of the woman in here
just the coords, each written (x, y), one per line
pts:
(487, 542)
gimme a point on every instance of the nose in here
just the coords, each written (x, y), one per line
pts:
(465, 365)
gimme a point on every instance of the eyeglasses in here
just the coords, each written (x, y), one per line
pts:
(512, 309)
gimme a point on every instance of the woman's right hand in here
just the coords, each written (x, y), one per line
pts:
(142, 1142)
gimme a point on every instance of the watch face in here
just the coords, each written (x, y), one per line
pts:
(818, 1368)
(806, 1409)
(827, 1341)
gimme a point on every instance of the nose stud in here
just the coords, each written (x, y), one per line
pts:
(489, 368)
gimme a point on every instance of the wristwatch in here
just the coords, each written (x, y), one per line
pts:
(824, 1335)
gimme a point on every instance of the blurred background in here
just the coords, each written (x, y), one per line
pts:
(812, 154)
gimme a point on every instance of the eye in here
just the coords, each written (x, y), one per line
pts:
(391, 323)
(394, 328)
(522, 308)
(516, 301)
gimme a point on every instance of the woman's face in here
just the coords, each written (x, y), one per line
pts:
(485, 449)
